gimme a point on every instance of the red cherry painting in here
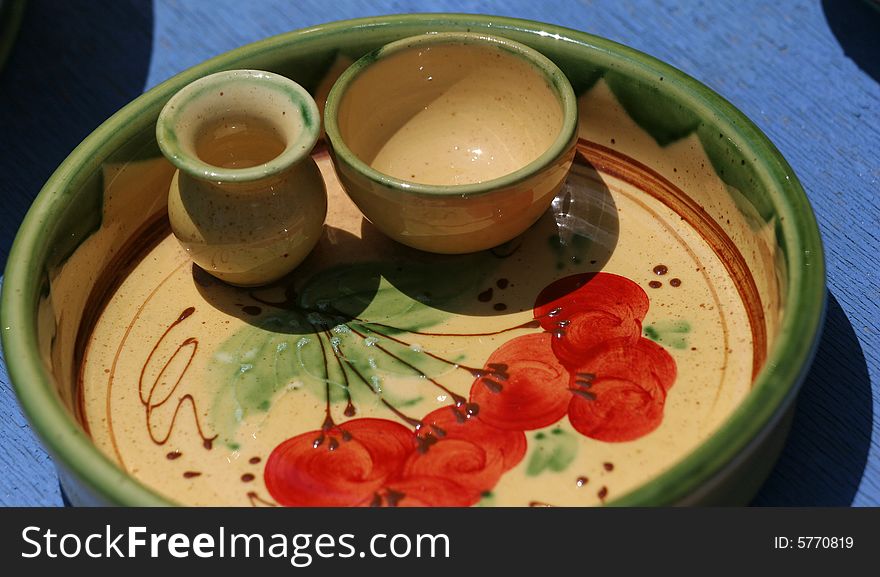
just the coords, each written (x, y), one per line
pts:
(533, 393)
(589, 362)
(341, 467)
(600, 291)
(622, 389)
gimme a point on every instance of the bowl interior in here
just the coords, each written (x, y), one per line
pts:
(703, 160)
(454, 110)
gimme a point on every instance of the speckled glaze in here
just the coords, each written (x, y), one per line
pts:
(640, 344)
(247, 202)
(452, 142)
(247, 362)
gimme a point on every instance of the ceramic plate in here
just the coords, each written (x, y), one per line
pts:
(636, 346)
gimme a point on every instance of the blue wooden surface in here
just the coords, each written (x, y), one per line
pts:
(806, 72)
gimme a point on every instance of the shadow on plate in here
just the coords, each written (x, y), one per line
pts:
(825, 456)
(73, 65)
(856, 25)
(64, 499)
(379, 280)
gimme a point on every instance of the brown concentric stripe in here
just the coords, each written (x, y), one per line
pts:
(725, 334)
(630, 170)
(128, 255)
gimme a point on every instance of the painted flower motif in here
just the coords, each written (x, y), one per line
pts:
(529, 392)
(465, 450)
(451, 460)
(586, 310)
(590, 363)
(620, 389)
(344, 466)
(415, 491)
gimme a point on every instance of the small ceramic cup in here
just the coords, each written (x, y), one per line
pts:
(247, 201)
(452, 142)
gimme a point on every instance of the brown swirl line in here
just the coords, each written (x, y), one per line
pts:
(132, 252)
(257, 501)
(108, 400)
(644, 178)
(192, 345)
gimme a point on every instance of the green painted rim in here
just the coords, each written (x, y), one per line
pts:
(301, 102)
(775, 387)
(551, 72)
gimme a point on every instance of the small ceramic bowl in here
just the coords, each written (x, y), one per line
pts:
(452, 142)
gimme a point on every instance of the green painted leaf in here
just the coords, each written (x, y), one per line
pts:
(659, 113)
(411, 295)
(738, 172)
(669, 333)
(553, 451)
(487, 499)
(346, 337)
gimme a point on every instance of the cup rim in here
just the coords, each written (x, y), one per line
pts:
(294, 151)
(555, 77)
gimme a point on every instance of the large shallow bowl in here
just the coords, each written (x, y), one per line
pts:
(699, 157)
